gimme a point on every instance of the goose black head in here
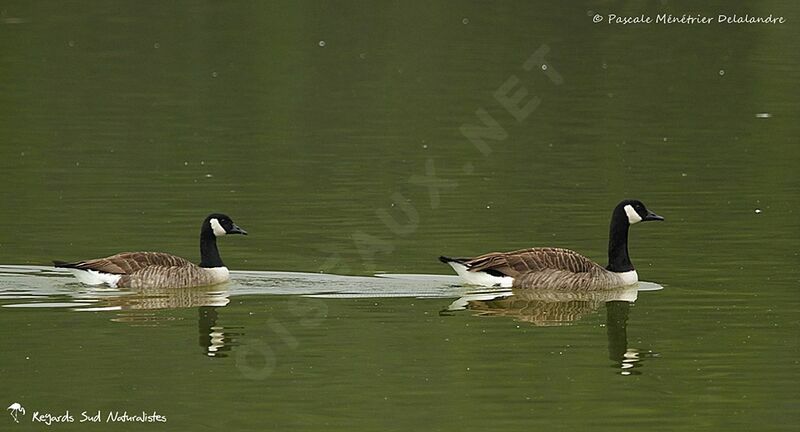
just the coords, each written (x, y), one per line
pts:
(635, 211)
(221, 224)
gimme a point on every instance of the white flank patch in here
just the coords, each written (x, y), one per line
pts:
(481, 278)
(218, 274)
(217, 228)
(629, 277)
(93, 277)
(633, 217)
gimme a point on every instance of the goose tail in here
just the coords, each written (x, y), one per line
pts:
(483, 278)
(88, 276)
(448, 260)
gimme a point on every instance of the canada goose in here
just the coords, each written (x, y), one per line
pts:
(161, 270)
(554, 268)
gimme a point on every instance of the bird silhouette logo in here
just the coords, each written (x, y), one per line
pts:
(16, 409)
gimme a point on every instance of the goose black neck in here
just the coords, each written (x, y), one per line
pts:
(209, 254)
(618, 259)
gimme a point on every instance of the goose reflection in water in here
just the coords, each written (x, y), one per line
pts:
(543, 308)
(138, 308)
(626, 358)
(214, 339)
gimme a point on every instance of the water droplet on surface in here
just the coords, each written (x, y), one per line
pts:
(213, 74)
(544, 67)
(322, 43)
(758, 211)
(156, 45)
(722, 72)
(465, 21)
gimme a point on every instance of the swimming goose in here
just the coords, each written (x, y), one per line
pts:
(161, 270)
(554, 268)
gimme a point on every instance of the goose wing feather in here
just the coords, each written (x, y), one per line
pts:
(129, 262)
(524, 261)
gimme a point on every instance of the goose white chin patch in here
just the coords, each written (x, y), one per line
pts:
(633, 217)
(218, 229)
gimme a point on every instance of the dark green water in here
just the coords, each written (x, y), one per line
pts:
(335, 134)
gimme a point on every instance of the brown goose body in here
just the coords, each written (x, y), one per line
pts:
(142, 270)
(560, 269)
(545, 268)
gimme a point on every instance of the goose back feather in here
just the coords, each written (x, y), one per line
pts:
(128, 262)
(532, 259)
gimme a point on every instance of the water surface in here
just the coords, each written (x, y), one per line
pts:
(334, 133)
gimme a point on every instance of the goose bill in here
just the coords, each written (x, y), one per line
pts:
(653, 217)
(237, 230)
